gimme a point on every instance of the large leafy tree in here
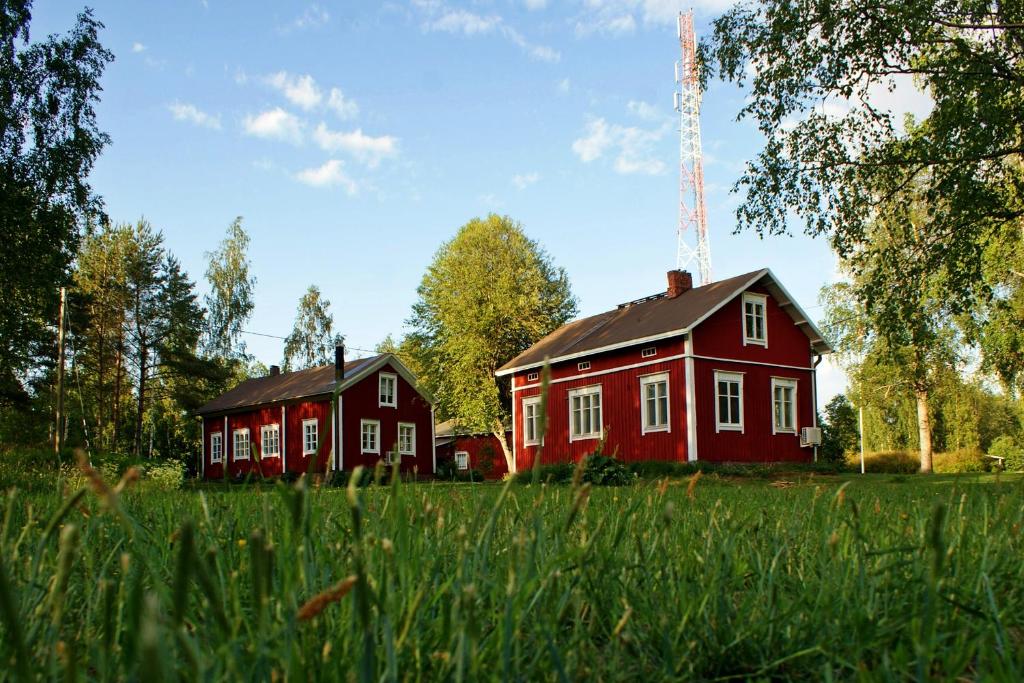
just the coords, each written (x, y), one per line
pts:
(489, 294)
(312, 339)
(230, 301)
(836, 161)
(49, 141)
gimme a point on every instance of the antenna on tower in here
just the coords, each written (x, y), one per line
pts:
(692, 233)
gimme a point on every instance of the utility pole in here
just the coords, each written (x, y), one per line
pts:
(58, 436)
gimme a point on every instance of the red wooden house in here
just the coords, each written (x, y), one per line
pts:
(471, 451)
(724, 372)
(276, 424)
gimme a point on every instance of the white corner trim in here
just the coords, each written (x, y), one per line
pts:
(691, 401)
(433, 442)
(284, 439)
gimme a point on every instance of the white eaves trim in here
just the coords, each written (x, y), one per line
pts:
(753, 279)
(399, 367)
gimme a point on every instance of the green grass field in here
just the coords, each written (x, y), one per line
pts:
(884, 577)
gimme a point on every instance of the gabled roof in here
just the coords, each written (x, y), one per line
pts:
(654, 318)
(288, 386)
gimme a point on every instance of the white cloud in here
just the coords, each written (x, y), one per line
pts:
(274, 124)
(330, 174)
(619, 17)
(302, 91)
(524, 180)
(564, 86)
(313, 16)
(643, 110)
(341, 105)
(440, 17)
(368, 149)
(461, 21)
(193, 115)
(138, 47)
(635, 149)
(613, 25)
(533, 5)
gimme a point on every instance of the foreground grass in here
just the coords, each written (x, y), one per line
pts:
(912, 577)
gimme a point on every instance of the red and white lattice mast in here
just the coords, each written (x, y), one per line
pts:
(692, 233)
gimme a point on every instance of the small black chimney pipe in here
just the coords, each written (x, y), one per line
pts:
(275, 370)
(339, 362)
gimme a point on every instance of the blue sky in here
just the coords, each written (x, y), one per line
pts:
(355, 138)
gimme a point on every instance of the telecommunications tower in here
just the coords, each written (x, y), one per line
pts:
(692, 233)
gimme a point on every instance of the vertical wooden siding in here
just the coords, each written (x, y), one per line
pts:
(360, 402)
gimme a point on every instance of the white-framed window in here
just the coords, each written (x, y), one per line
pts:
(406, 438)
(532, 376)
(462, 460)
(649, 351)
(216, 447)
(270, 441)
(388, 384)
(754, 321)
(310, 436)
(585, 365)
(241, 451)
(531, 421)
(369, 436)
(585, 413)
(389, 457)
(728, 401)
(654, 403)
(783, 405)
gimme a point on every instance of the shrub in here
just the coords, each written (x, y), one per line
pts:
(556, 473)
(1006, 447)
(889, 462)
(659, 469)
(603, 470)
(165, 476)
(960, 461)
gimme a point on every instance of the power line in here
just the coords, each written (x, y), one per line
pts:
(275, 336)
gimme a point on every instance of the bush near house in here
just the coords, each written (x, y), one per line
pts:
(887, 462)
(961, 461)
(1007, 447)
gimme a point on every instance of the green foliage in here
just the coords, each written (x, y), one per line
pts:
(962, 461)
(229, 303)
(439, 581)
(489, 294)
(839, 432)
(312, 340)
(603, 470)
(1007, 447)
(553, 473)
(164, 476)
(49, 140)
(887, 462)
(836, 161)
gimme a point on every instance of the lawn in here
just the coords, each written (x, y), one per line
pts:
(816, 577)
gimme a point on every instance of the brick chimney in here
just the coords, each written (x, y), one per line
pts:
(275, 370)
(679, 281)
(339, 362)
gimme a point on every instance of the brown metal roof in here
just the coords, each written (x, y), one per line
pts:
(284, 387)
(653, 317)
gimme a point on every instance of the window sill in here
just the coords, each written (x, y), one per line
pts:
(271, 456)
(729, 428)
(369, 452)
(784, 432)
(411, 454)
(584, 437)
(307, 453)
(387, 405)
(756, 342)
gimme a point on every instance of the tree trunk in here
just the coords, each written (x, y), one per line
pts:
(101, 376)
(499, 432)
(924, 430)
(143, 353)
(115, 421)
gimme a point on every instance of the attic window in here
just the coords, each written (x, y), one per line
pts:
(532, 377)
(648, 352)
(585, 365)
(754, 331)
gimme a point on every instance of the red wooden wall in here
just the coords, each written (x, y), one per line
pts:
(476, 446)
(720, 337)
(360, 402)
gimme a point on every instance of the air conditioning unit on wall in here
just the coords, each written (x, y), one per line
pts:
(810, 436)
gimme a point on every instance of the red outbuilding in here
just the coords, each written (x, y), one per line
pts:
(276, 424)
(724, 372)
(468, 450)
